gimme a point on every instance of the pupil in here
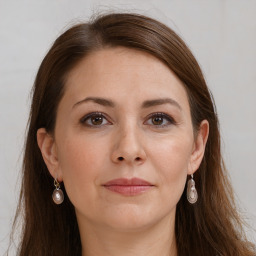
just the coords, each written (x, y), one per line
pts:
(97, 120)
(157, 120)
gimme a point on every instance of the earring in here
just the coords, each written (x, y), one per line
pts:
(57, 195)
(192, 195)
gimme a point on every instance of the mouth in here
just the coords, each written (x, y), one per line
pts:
(128, 187)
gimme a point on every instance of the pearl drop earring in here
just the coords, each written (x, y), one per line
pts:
(57, 195)
(192, 195)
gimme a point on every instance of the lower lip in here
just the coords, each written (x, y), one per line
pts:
(128, 190)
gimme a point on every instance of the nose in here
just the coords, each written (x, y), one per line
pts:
(128, 147)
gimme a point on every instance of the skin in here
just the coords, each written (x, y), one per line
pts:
(128, 143)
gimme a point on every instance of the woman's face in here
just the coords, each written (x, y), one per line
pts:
(124, 114)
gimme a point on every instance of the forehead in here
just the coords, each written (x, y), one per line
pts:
(123, 73)
(121, 58)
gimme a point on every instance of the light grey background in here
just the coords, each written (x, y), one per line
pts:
(221, 34)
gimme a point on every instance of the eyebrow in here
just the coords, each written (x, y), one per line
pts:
(145, 104)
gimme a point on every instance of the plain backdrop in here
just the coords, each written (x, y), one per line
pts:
(220, 33)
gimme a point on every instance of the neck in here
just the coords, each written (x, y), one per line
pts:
(151, 241)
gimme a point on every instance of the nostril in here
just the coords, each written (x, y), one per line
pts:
(137, 159)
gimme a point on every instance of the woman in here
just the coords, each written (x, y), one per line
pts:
(122, 155)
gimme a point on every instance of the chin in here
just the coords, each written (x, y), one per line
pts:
(130, 219)
(129, 224)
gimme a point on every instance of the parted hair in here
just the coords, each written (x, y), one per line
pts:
(212, 226)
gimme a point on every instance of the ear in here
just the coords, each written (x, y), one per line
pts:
(199, 147)
(48, 149)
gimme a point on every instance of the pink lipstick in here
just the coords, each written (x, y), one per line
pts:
(128, 187)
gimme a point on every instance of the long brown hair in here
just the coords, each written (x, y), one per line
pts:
(212, 226)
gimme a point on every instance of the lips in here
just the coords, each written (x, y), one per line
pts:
(128, 187)
(127, 182)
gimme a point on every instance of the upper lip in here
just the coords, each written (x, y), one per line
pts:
(128, 182)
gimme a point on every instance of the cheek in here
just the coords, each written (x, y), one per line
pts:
(80, 162)
(170, 158)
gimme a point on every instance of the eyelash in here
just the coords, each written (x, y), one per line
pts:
(169, 119)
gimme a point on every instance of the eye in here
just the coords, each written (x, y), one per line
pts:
(94, 119)
(160, 120)
(97, 119)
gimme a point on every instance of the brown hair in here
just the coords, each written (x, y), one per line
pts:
(212, 226)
